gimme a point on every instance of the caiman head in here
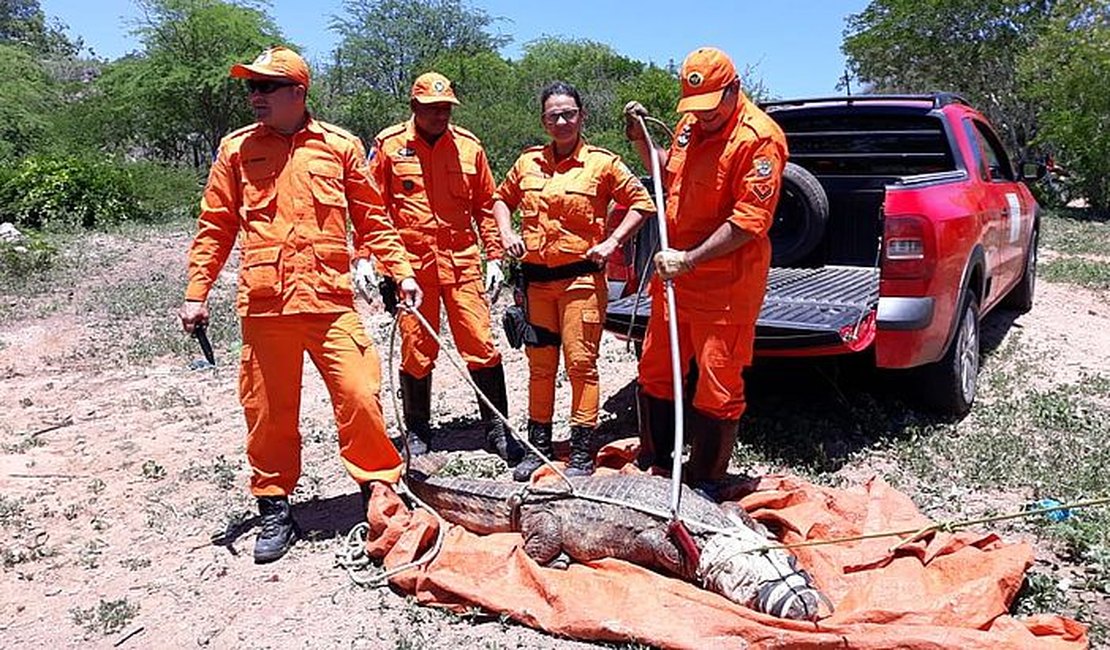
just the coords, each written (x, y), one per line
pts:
(768, 581)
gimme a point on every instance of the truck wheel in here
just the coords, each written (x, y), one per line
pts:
(1020, 297)
(948, 386)
(800, 217)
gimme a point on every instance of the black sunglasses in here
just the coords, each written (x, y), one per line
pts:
(266, 87)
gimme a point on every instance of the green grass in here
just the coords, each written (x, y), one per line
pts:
(1074, 232)
(1091, 274)
(107, 617)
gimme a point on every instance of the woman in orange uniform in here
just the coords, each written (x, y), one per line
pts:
(563, 190)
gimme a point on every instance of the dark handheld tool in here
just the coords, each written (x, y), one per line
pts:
(200, 331)
(387, 287)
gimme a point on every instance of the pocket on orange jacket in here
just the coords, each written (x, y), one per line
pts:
(259, 196)
(408, 179)
(572, 243)
(262, 271)
(708, 287)
(327, 183)
(333, 263)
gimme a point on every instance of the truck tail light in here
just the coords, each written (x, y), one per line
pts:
(909, 249)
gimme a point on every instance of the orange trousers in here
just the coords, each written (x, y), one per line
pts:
(468, 316)
(721, 352)
(572, 309)
(270, 391)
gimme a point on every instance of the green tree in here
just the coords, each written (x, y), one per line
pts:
(966, 46)
(23, 23)
(26, 97)
(174, 100)
(1066, 73)
(385, 43)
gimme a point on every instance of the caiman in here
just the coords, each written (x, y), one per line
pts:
(631, 523)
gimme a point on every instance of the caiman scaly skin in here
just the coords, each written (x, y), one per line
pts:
(582, 529)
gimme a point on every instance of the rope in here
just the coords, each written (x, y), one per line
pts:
(946, 526)
(482, 396)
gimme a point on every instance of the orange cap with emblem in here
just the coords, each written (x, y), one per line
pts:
(706, 73)
(274, 63)
(433, 88)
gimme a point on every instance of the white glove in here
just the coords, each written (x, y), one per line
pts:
(363, 277)
(495, 279)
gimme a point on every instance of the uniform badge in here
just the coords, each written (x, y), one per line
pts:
(408, 185)
(264, 58)
(439, 87)
(406, 152)
(694, 79)
(684, 136)
(763, 167)
(763, 190)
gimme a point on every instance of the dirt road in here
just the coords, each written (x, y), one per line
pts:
(119, 463)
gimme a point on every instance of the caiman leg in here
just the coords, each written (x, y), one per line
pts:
(654, 548)
(543, 535)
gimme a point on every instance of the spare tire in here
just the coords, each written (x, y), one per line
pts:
(800, 218)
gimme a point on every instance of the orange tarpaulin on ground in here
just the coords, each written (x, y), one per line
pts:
(947, 591)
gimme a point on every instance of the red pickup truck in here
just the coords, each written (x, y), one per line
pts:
(902, 222)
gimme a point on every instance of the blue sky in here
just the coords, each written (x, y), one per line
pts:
(794, 45)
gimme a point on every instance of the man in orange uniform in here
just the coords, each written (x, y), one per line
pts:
(285, 186)
(437, 187)
(723, 174)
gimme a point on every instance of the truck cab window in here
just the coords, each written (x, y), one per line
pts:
(997, 162)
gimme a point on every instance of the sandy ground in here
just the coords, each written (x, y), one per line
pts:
(120, 474)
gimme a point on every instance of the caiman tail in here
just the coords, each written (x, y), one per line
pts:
(479, 505)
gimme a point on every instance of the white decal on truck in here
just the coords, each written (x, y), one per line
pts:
(1015, 216)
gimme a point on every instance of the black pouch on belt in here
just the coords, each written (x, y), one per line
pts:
(516, 325)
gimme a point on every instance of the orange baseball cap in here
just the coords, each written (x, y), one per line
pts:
(706, 73)
(274, 63)
(433, 88)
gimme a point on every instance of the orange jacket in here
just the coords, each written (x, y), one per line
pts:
(563, 204)
(435, 194)
(734, 175)
(287, 197)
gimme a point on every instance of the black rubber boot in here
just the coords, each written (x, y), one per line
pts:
(710, 450)
(416, 401)
(656, 432)
(491, 381)
(277, 530)
(581, 462)
(539, 434)
(365, 489)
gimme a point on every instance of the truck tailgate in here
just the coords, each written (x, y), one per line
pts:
(803, 309)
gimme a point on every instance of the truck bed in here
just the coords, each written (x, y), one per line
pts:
(803, 308)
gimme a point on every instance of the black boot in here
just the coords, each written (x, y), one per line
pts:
(710, 450)
(656, 432)
(366, 489)
(416, 401)
(277, 530)
(491, 381)
(581, 461)
(539, 434)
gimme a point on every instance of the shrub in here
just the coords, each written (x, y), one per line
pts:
(66, 193)
(32, 255)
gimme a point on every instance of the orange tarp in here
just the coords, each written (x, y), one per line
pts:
(947, 591)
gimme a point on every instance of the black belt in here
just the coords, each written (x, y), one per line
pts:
(541, 273)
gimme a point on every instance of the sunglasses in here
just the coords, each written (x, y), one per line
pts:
(266, 87)
(553, 117)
